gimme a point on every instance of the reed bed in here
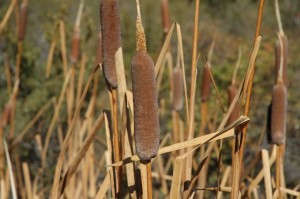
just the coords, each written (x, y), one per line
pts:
(114, 141)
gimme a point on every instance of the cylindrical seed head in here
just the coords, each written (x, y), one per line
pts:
(232, 91)
(278, 58)
(145, 101)
(23, 20)
(75, 46)
(205, 91)
(111, 38)
(99, 50)
(165, 15)
(278, 115)
(177, 89)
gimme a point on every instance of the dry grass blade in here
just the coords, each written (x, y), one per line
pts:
(188, 192)
(267, 173)
(55, 117)
(27, 180)
(206, 65)
(225, 133)
(50, 57)
(176, 180)
(7, 14)
(20, 136)
(55, 186)
(63, 49)
(103, 188)
(81, 153)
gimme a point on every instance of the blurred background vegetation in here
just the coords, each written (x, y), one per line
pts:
(230, 23)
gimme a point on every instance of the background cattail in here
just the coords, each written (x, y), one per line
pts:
(111, 38)
(205, 91)
(145, 99)
(278, 115)
(232, 91)
(23, 20)
(75, 46)
(177, 89)
(165, 16)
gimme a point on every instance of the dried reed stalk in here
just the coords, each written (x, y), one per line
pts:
(63, 48)
(111, 38)
(50, 57)
(7, 14)
(188, 166)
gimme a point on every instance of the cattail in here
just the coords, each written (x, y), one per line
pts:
(165, 16)
(111, 38)
(278, 115)
(99, 50)
(205, 91)
(75, 46)
(232, 91)
(23, 20)
(177, 89)
(145, 99)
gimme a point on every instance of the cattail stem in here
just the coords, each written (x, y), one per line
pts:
(280, 72)
(278, 18)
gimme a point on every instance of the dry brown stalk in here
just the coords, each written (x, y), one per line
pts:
(188, 166)
(50, 57)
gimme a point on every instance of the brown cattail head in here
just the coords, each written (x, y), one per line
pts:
(278, 115)
(278, 58)
(111, 38)
(165, 15)
(145, 101)
(205, 91)
(75, 46)
(23, 20)
(232, 91)
(99, 50)
(177, 89)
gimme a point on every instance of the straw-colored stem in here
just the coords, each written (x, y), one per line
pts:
(116, 142)
(249, 90)
(63, 46)
(192, 89)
